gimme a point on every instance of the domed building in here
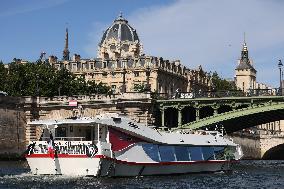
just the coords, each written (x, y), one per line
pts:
(122, 65)
(120, 40)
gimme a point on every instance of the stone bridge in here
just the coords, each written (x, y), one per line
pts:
(234, 113)
(260, 145)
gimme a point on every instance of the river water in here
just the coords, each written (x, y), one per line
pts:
(246, 174)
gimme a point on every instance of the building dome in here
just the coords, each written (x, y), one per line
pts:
(120, 40)
(121, 31)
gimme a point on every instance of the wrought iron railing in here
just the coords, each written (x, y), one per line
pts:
(220, 94)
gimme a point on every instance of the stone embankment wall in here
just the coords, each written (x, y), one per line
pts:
(250, 145)
(12, 128)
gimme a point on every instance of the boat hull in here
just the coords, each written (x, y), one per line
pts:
(105, 166)
(144, 170)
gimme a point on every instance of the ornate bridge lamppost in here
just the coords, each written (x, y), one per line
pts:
(280, 84)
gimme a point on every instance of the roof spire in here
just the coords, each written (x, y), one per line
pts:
(120, 18)
(66, 50)
(245, 48)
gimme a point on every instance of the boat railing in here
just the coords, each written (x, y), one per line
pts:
(65, 138)
(63, 147)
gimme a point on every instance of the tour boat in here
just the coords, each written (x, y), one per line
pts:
(113, 145)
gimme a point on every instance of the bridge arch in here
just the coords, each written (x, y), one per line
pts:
(239, 119)
(241, 106)
(224, 108)
(188, 114)
(274, 153)
(205, 111)
(171, 115)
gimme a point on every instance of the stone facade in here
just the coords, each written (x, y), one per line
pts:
(122, 65)
(12, 128)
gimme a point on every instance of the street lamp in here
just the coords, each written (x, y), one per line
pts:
(124, 72)
(280, 86)
(209, 83)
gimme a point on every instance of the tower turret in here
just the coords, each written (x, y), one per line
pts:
(66, 51)
(245, 72)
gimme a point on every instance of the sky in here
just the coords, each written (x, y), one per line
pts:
(209, 33)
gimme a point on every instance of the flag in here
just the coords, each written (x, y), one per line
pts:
(50, 149)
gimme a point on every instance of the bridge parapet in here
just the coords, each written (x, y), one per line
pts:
(85, 98)
(221, 93)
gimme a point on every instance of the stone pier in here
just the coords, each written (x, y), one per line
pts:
(262, 142)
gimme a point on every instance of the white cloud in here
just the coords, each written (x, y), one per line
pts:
(210, 33)
(28, 6)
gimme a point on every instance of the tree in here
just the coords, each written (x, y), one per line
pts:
(40, 79)
(3, 76)
(222, 84)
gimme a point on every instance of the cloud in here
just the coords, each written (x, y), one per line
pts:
(210, 33)
(14, 8)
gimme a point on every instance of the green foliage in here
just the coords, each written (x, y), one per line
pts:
(222, 84)
(40, 79)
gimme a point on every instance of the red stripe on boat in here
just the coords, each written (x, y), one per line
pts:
(130, 163)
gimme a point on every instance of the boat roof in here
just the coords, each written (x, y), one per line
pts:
(142, 131)
(79, 121)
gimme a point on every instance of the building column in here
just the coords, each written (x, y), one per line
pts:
(197, 114)
(215, 111)
(179, 117)
(162, 117)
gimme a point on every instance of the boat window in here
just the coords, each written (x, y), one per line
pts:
(181, 153)
(208, 153)
(152, 151)
(219, 153)
(60, 132)
(195, 153)
(167, 153)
